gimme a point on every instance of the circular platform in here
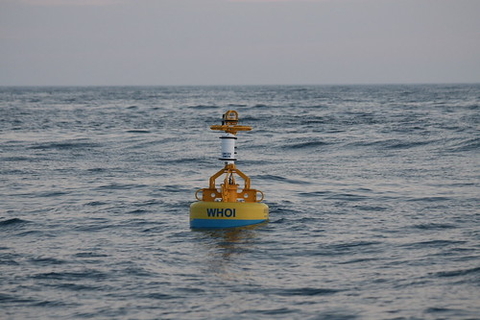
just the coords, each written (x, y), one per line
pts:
(219, 214)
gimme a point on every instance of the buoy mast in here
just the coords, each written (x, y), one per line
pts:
(229, 189)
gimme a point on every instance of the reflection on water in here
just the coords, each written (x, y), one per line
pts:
(226, 250)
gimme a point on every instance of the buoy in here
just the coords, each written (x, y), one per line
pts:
(227, 205)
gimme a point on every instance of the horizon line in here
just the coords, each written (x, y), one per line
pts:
(238, 85)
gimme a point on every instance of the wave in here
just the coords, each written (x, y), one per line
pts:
(348, 248)
(203, 107)
(459, 272)
(46, 261)
(12, 222)
(12, 298)
(16, 158)
(306, 292)
(120, 186)
(270, 177)
(138, 131)
(65, 145)
(392, 144)
(434, 226)
(432, 244)
(466, 145)
(305, 145)
(71, 276)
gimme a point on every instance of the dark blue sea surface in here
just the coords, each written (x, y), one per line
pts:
(374, 194)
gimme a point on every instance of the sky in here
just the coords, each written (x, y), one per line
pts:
(238, 42)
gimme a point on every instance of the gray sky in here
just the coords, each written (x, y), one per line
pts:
(229, 42)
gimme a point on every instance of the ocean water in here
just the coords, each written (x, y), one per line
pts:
(374, 195)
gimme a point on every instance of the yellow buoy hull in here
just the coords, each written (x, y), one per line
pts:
(217, 214)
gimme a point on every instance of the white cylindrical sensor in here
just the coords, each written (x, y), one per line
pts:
(228, 148)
